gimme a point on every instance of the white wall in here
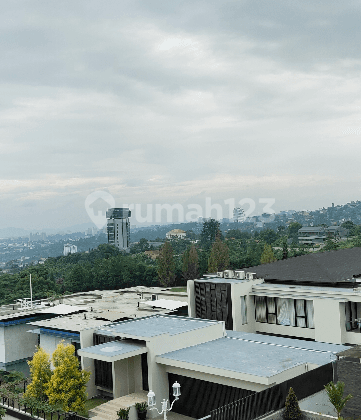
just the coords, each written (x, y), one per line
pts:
(86, 340)
(243, 288)
(17, 342)
(329, 322)
(157, 374)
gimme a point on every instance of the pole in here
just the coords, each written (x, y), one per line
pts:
(31, 294)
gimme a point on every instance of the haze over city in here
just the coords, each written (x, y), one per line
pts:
(174, 102)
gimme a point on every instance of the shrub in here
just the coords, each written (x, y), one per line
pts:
(292, 409)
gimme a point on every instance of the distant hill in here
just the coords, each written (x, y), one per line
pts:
(13, 232)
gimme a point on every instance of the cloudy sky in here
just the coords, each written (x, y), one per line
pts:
(160, 101)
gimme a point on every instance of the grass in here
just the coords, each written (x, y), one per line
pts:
(178, 289)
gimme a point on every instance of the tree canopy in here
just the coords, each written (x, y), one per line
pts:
(67, 385)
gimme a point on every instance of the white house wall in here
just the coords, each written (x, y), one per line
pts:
(329, 322)
(18, 344)
(49, 343)
(86, 340)
(252, 386)
(157, 374)
(243, 288)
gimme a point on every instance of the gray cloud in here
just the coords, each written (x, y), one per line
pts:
(160, 101)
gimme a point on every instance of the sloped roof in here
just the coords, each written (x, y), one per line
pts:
(321, 267)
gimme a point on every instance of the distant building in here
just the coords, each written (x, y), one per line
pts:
(176, 234)
(70, 249)
(118, 227)
(35, 237)
(319, 234)
(238, 215)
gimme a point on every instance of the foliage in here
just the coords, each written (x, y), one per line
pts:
(330, 245)
(284, 249)
(166, 265)
(335, 395)
(123, 413)
(292, 409)
(219, 257)
(67, 385)
(267, 255)
(2, 412)
(141, 407)
(190, 263)
(40, 373)
(209, 233)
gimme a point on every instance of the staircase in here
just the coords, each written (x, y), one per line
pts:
(108, 410)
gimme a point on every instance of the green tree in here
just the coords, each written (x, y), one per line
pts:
(335, 395)
(166, 265)
(190, 263)
(293, 229)
(284, 250)
(40, 374)
(292, 409)
(209, 233)
(67, 385)
(219, 257)
(330, 245)
(267, 255)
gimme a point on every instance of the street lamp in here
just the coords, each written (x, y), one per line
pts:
(165, 409)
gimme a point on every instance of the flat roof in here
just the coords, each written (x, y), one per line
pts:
(245, 357)
(287, 342)
(220, 280)
(156, 325)
(112, 351)
(75, 322)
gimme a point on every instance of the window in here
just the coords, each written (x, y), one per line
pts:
(351, 315)
(284, 311)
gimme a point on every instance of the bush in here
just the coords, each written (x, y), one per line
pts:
(123, 413)
(292, 409)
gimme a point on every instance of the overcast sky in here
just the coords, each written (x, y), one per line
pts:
(175, 101)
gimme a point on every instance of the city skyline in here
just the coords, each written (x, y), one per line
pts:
(155, 102)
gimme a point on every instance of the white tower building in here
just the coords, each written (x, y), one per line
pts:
(118, 227)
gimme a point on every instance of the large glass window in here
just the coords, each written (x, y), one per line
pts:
(351, 316)
(284, 311)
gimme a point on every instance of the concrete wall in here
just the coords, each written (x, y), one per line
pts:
(223, 380)
(191, 300)
(329, 321)
(243, 288)
(127, 376)
(86, 340)
(157, 374)
(18, 343)
(50, 342)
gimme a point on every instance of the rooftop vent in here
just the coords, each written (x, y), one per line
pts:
(240, 275)
(220, 274)
(228, 274)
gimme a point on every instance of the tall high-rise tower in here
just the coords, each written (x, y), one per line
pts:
(118, 227)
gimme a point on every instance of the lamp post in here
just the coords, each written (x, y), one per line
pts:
(165, 409)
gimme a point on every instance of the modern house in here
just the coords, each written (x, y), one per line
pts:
(16, 346)
(314, 297)
(212, 365)
(319, 234)
(176, 234)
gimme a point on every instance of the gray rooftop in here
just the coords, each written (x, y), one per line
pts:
(155, 325)
(114, 348)
(287, 342)
(247, 357)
